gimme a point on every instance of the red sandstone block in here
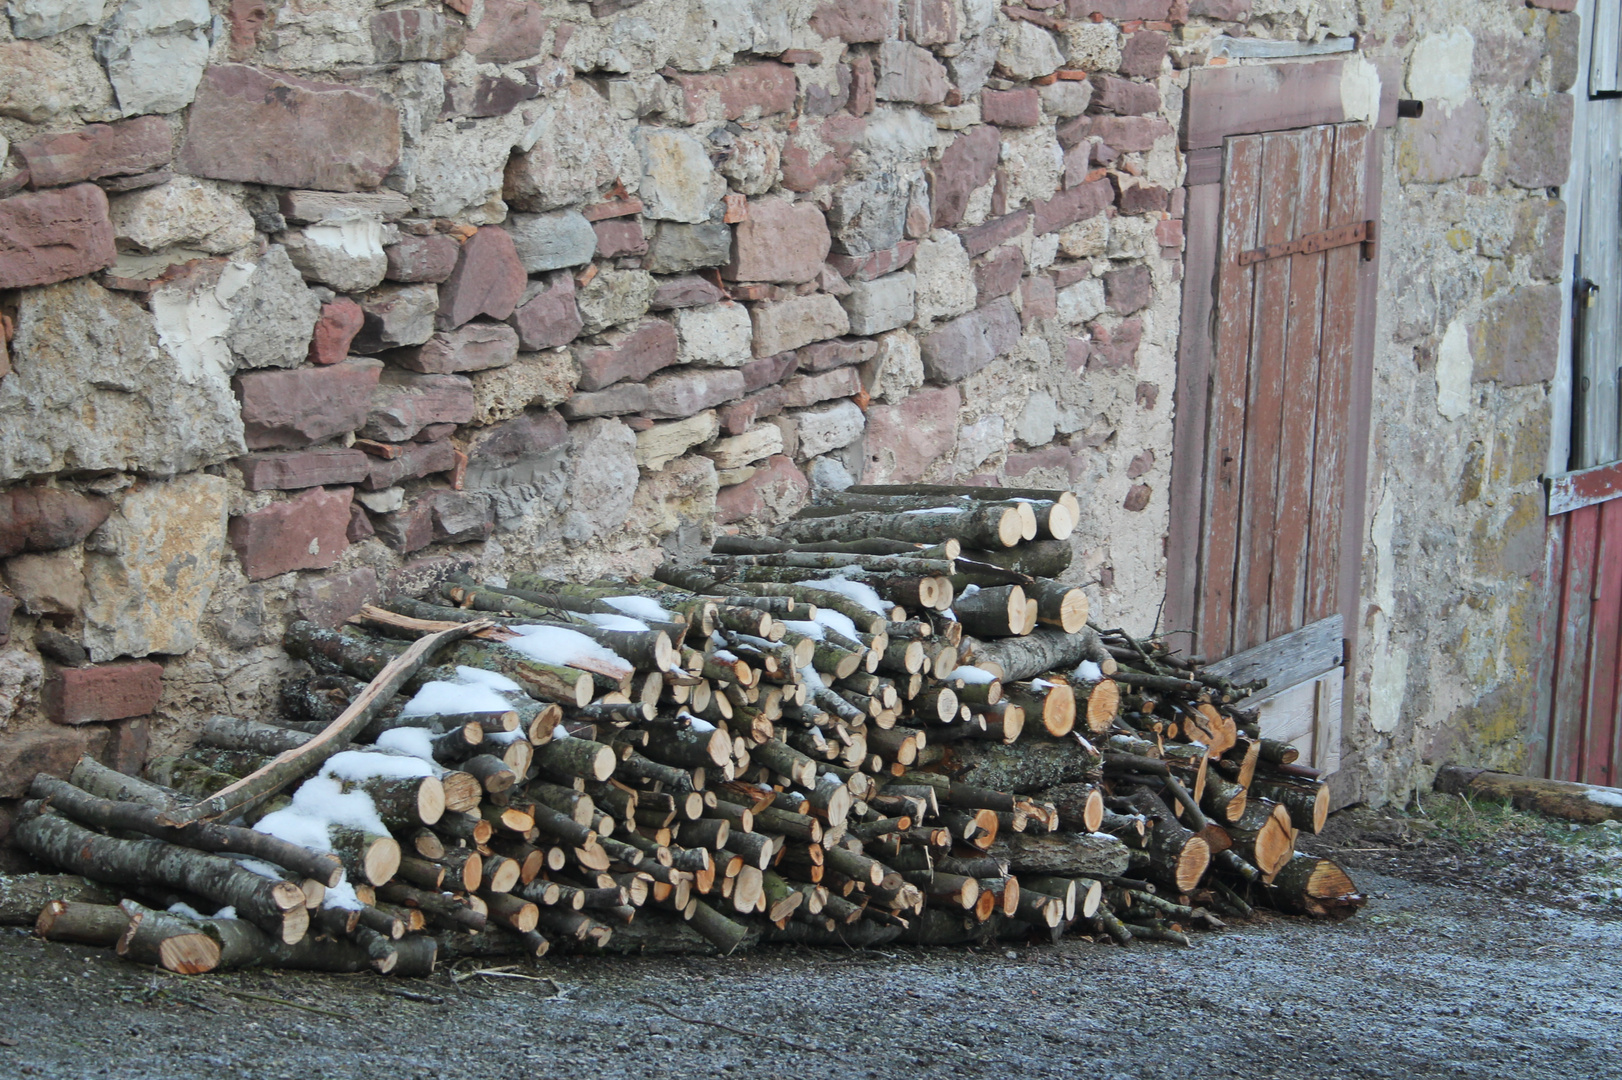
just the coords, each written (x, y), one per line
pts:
(767, 86)
(340, 321)
(999, 273)
(965, 165)
(103, 692)
(1020, 108)
(1072, 205)
(303, 468)
(97, 150)
(303, 406)
(422, 258)
(47, 519)
(306, 533)
(53, 751)
(267, 128)
(330, 599)
(776, 491)
(779, 241)
(49, 236)
(489, 279)
(617, 237)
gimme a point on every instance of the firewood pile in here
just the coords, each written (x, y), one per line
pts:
(885, 722)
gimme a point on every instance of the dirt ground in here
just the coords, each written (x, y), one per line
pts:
(1491, 946)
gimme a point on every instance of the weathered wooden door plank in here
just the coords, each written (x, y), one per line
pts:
(1225, 430)
(1287, 603)
(1329, 473)
(1264, 404)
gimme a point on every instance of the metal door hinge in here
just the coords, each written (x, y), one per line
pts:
(1363, 232)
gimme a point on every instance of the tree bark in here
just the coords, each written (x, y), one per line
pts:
(277, 907)
(992, 526)
(1586, 803)
(1089, 855)
(24, 896)
(136, 817)
(1044, 650)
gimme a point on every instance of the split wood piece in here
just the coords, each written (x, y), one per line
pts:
(564, 760)
(276, 906)
(435, 904)
(1038, 559)
(309, 757)
(1043, 650)
(1080, 806)
(725, 565)
(158, 939)
(1264, 836)
(497, 941)
(1063, 606)
(810, 594)
(1310, 885)
(991, 526)
(367, 856)
(1585, 803)
(1067, 499)
(1053, 703)
(1225, 801)
(943, 888)
(1307, 804)
(689, 747)
(1088, 855)
(995, 612)
(136, 817)
(1283, 753)
(466, 827)
(1025, 766)
(85, 924)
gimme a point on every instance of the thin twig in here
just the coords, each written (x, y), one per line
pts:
(790, 1043)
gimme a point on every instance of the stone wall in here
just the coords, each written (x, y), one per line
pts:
(309, 302)
(313, 301)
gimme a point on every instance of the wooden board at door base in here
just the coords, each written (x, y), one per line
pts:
(1308, 715)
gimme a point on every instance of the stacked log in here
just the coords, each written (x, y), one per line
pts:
(888, 721)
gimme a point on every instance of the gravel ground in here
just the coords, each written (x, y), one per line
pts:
(1427, 982)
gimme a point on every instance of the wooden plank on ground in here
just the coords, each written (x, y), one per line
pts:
(1287, 602)
(1225, 439)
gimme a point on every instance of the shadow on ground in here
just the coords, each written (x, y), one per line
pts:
(1431, 980)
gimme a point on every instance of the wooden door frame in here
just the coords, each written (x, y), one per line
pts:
(1243, 100)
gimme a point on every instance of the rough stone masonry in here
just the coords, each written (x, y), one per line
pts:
(306, 302)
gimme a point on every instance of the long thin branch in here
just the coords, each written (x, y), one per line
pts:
(290, 765)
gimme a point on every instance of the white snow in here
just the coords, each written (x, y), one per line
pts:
(561, 732)
(811, 630)
(185, 910)
(838, 622)
(342, 895)
(862, 594)
(642, 607)
(495, 680)
(937, 510)
(1605, 798)
(809, 676)
(416, 741)
(831, 778)
(949, 615)
(357, 765)
(975, 675)
(226, 912)
(562, 646)
(506, 738)
(1088, 671)
(617, 622)
(318, 804)
(1040, 684)
(257, 866)
(970, 589)
(448, 697)
(725, 657)
(700, 725)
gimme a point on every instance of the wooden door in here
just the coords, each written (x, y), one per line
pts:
(1578, 732)
(1272, 519)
